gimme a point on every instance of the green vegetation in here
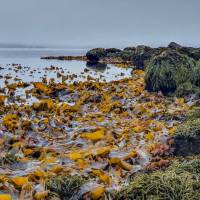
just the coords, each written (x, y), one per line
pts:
(7, 159)
(181, 181)
(185, 89)
(168, 71)
(190, 128)
(65, 186)
(187, 135)
(191, 125)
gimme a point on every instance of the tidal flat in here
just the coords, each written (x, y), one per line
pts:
(102, 128)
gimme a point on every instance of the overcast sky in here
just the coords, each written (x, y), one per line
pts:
(100, 22)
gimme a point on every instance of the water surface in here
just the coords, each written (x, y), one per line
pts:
(25, 65)
(33, 68)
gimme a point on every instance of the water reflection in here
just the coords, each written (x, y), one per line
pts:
(96, 66)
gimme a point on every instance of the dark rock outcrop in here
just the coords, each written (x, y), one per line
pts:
(132, 49)
(174, 45)
(191, 52)
(187, 137)
(112, 50)
(142, 54)
(96, 54)
(185, 146)
(80, 58)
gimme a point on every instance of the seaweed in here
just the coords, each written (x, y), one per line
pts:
(167, 71)
(178, 182)
(65, 186)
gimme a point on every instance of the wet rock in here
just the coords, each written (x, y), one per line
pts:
(185, 146)
(96, 54)
(187, 138)
(96, 98)
(96, 65)
(142, 54)
(81, 58)
(86, 70)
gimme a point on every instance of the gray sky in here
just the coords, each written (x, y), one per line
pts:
(100, 22)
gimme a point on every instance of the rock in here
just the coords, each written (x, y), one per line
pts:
(81, 58)
(186, 146)
(191, 52)
(96, 54)
(113, 50)
(127, 55)
(166, 71)
(142, 53)
(96, 65)
(174, 45)
(133, 49)
(139, 56)
(187, 138)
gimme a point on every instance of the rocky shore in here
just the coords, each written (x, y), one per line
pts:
(138, 56)
(81, 58)
(173, 70)
(129, 139)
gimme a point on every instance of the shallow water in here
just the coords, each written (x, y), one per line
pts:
(27, 66)
(110, 130)
(34, 69)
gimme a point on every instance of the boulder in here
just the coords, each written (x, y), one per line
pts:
(142, 54)
(166, 71)
(96, 54)
(189, 51)
(174, 45)
(187, 138)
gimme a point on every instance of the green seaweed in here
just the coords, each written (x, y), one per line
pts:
(190, 128)
(7, 159)
(178, 182)
(65, 186)
(186, 89)
(167, 71)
